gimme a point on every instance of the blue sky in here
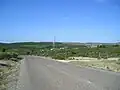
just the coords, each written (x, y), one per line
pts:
(68, 20)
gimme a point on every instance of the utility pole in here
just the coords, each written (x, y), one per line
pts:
(54, 42)
(54, 47)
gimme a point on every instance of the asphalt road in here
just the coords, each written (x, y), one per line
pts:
(42, 74)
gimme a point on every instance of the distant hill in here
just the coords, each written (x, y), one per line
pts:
(100, 43)
(50, 44)
(89, 43)
(30, 44)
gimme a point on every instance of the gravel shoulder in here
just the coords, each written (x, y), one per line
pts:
(23, 80)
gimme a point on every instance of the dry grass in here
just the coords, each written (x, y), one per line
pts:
(8, 75)
(111, 65)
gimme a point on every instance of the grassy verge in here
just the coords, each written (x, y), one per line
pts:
(104, 64)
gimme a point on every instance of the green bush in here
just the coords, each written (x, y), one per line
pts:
(3, 50)
(9, 56)
(59, 56)
(5, 56)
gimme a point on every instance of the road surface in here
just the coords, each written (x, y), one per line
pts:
(42, 74)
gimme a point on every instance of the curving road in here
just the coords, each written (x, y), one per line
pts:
(42, 74)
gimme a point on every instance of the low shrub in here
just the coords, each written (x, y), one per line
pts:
(118, 61)
(60, 57)
(9, 56)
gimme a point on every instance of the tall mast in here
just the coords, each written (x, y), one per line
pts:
(54, 42)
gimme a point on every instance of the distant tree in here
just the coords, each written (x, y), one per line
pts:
(116, 45)
(28, 53)
(73, 52)
(101, 46)
(3, 49)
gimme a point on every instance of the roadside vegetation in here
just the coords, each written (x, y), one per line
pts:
(63, 50)
(8, 68)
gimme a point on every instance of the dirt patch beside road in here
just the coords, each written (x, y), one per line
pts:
(104, 64)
